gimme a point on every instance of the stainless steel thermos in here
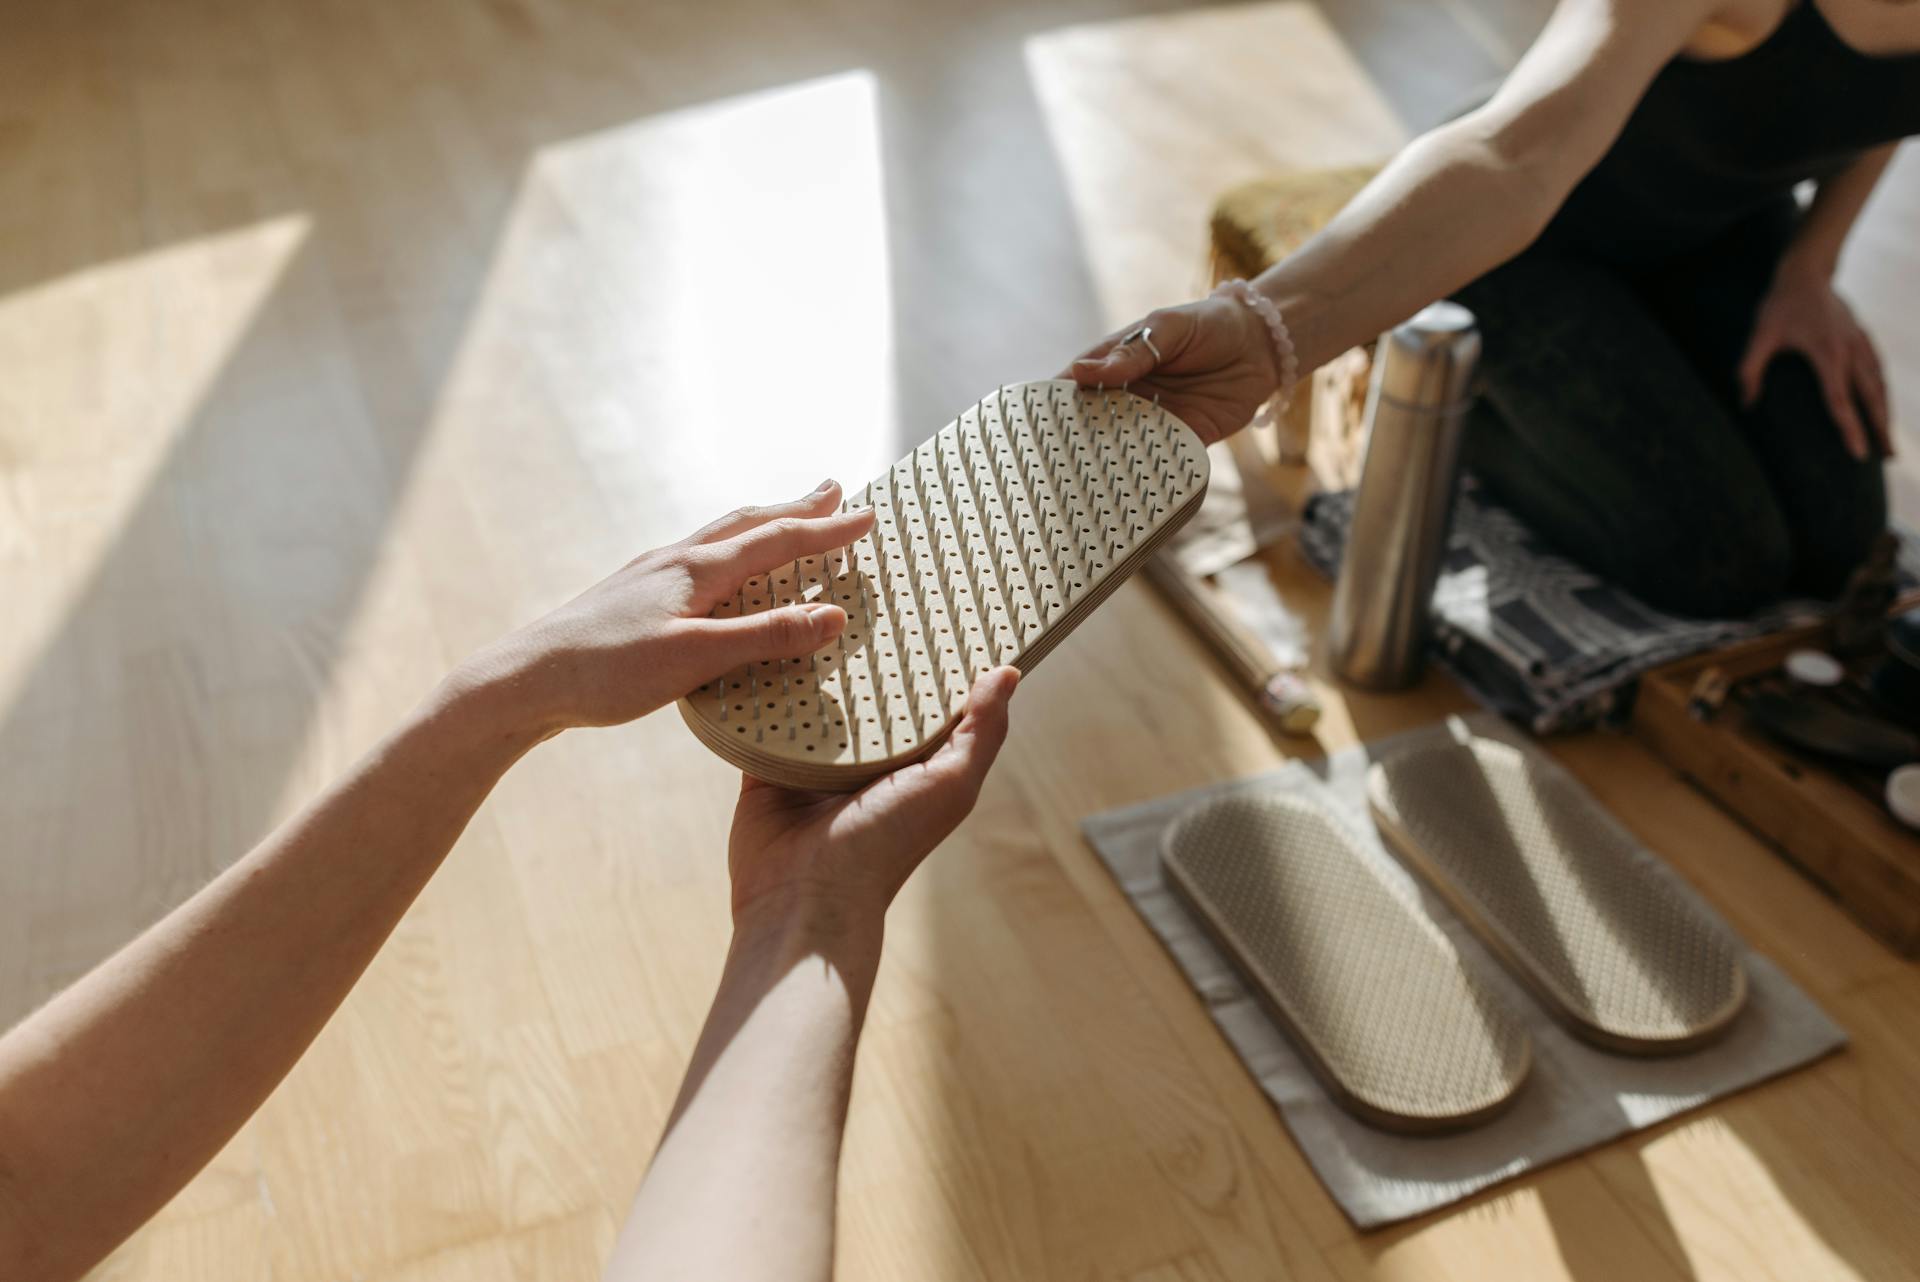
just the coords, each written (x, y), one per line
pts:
(1382, 603)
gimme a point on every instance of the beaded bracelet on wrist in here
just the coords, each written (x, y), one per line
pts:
(1285, 362)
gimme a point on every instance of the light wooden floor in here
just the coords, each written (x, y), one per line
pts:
(337, 336)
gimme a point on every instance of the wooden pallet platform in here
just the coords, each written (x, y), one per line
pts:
(1826, 818)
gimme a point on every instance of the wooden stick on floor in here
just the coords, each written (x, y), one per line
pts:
(1281, 695)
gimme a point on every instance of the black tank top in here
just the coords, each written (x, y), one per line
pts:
(1713, 142)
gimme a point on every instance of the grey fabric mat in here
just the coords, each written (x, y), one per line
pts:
(1577, 1098)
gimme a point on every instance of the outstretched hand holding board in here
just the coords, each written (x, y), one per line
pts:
(991, 542)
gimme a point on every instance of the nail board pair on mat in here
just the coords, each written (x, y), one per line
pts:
(1522, 982)
(991, 542)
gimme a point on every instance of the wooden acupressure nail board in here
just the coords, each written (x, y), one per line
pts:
(991, 542)
(1373, 995)
(1561, 892)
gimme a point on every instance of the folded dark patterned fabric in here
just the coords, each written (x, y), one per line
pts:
(1537, 638)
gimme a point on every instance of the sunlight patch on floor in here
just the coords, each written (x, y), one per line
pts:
(735, 259)
(1190, 104)
(1700, 1170)
(121, 355)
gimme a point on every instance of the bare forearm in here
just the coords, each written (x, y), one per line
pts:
(1449, 208)
(743, 1183)
(1467, 196)
(1836, 206)
(115, 1093)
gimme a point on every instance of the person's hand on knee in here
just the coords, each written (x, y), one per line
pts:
(844, 856)
(641, 637)
(1802, 312)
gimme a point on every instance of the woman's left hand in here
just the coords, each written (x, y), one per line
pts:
(642, 637)
(1802, 313)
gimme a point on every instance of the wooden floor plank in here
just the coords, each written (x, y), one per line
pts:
(341, 337)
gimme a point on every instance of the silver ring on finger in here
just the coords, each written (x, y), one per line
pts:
(1144, 334)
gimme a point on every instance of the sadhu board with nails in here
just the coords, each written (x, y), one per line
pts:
(991, 542)
(1371, 992)
(1559, 891)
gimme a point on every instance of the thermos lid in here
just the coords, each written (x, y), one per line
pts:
(1427, 362)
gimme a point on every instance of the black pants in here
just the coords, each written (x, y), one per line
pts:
(1611, 423)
